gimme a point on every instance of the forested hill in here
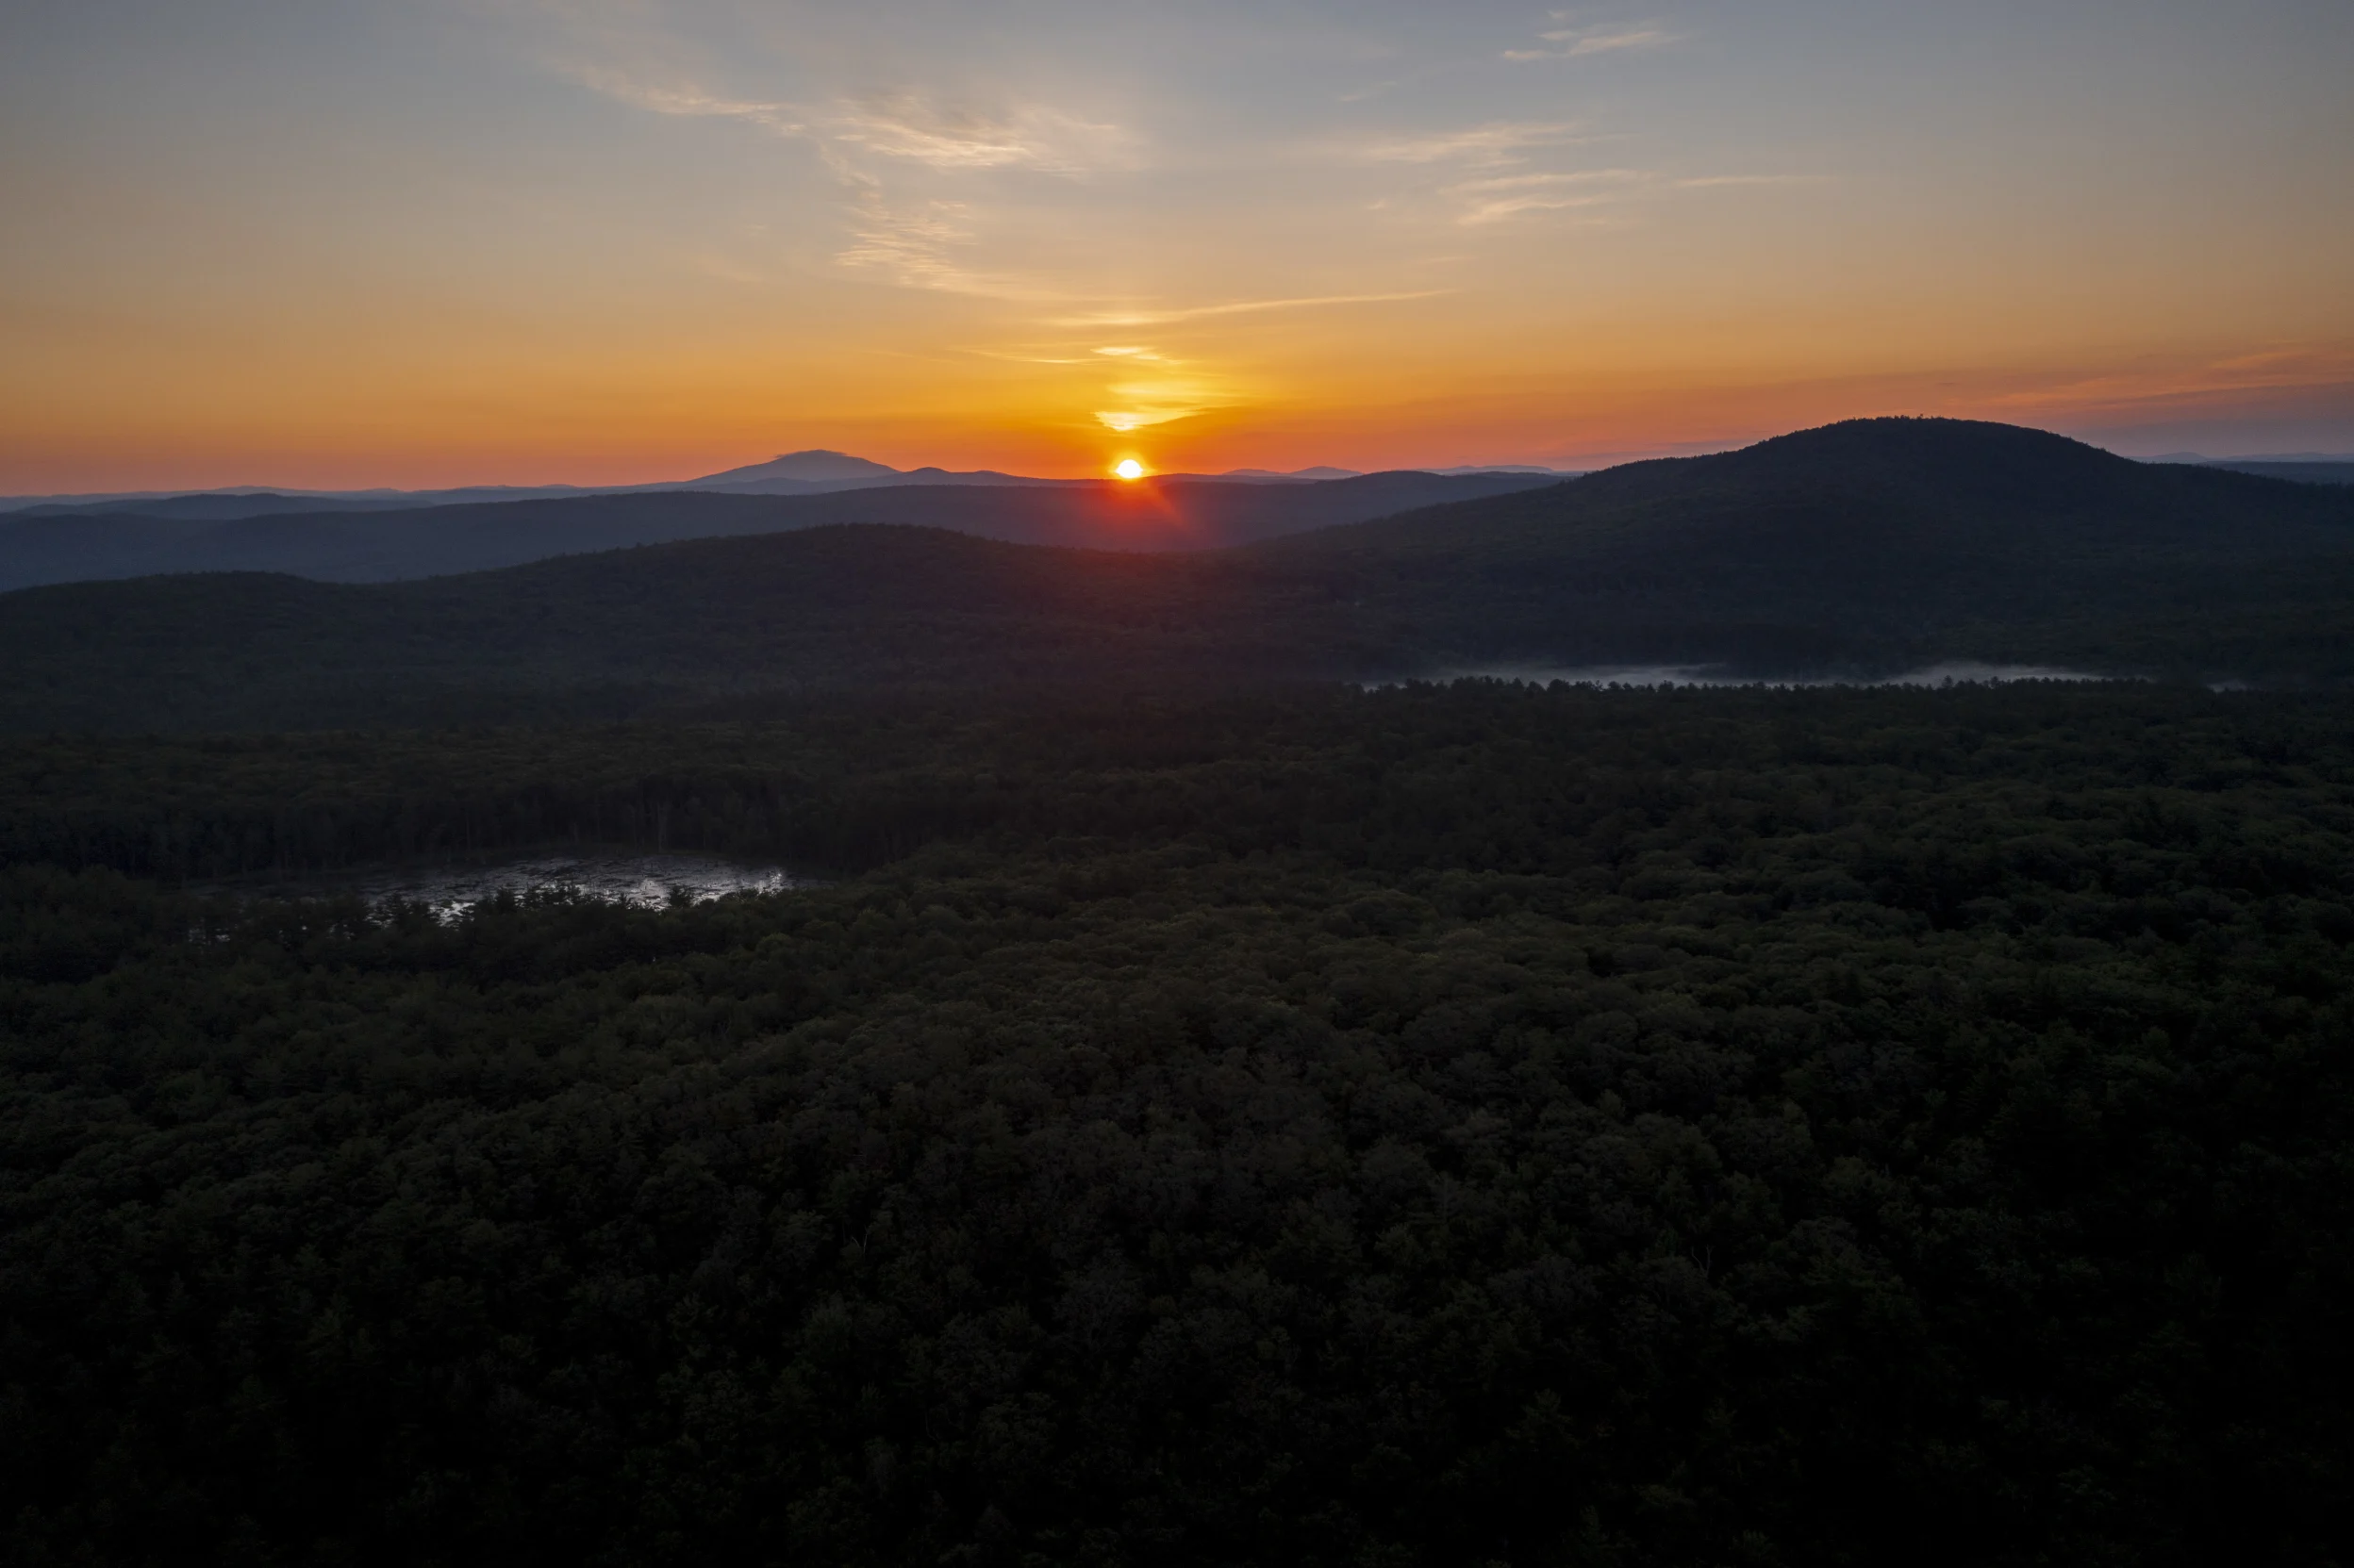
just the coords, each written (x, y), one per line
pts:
(1872, 528)
(348, 542)
(1855, 550)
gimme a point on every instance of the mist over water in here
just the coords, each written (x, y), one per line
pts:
(640, 881)
(1954, 672)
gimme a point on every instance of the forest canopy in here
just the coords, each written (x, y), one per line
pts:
(1433, 1125)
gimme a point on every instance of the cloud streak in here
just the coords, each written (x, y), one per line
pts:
(1240, 307)
(1031, 136)
(1502, 141)
(1577, 42)
(913, 244)
(688, 102)
(904, 126)
(1708, 182)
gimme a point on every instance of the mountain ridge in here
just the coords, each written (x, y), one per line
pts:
(384, 545)
(1846, 551)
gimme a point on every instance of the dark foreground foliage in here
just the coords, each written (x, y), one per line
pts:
(1426, 1127)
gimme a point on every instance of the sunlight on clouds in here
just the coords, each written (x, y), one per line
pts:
(1578, 177)
(1163, 400)
(1028, 136)
(646, 226)
(913, 249)
(1512, 206)
(1705, 182)
(1240, 307)
(903, 125)
(689, 102)
(1502, 142)
(1541, 193)
(1575, 42)
(919, 242)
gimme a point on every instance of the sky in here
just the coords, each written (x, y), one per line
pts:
(339, 243)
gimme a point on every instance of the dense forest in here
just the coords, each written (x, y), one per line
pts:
(1460, 1124)
(1859, 549)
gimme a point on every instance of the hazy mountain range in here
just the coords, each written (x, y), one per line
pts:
(813, 472)
(1856, 548)
(378, 544)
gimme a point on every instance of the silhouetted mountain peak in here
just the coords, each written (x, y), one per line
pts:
(1940, 453)
(814, 465)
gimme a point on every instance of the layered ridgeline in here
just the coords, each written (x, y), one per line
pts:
(1851, 550)
(366, 541)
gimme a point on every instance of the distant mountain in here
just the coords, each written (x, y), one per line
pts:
(811, 466)
(1512, 468)
(1291, 474)
(2257, 457)
(813, 472)
(2304, 470)
(213, 506)
(370, 543)
(1857, 549)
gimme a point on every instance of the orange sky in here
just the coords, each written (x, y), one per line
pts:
(470, 241)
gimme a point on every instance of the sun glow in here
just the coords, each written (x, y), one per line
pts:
(1128, 468)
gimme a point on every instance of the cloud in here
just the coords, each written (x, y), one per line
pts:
(1162, 400)
(1126, 420)
(1507, 206)
(1498, 143)
(1702, 182)
(1154, 318)
(1575, 42)
(904, 126)
(912, 248)
(1581, 176)
(689, 100)
(1030, 136)
(1507, 195)
(913, 244)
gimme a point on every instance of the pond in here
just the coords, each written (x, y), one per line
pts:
(620, 876)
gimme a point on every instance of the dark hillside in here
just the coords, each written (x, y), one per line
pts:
(1864, 534)
(1858, 550)
(606, 634)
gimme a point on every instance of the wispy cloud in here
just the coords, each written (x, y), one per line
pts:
(1512, 206)
(1703, 182)
(913, 249)
(903, 125)
(1498, 197)
(1163, 399)
(1239, 307)
(1501, 141)
(1575, 42)
(915, 241)
(1030, 136)
(1579, 176)
(688, 101)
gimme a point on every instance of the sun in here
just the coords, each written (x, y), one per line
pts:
(1128, 468)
